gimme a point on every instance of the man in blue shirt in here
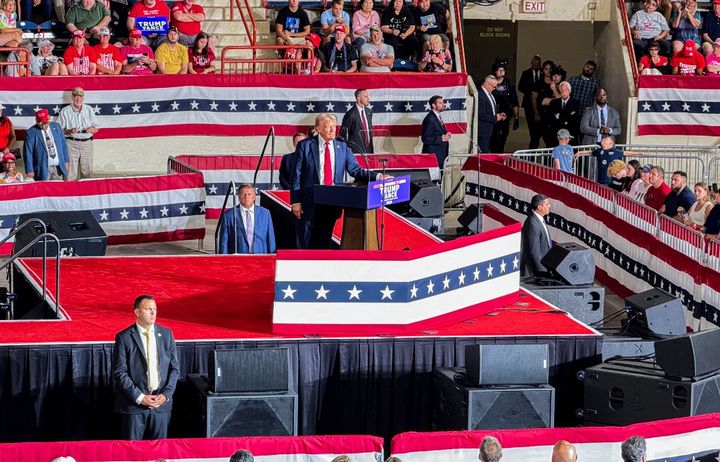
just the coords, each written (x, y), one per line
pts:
(680, 196)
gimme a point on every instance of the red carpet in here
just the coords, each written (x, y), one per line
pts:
(215, 298)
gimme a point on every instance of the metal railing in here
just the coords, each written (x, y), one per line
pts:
(628, 42)
(251, 29)
(177, 166)
(270, 137)
(231, 190)
(690, 242)
(253, 65)
(456, 24)
(19, 68)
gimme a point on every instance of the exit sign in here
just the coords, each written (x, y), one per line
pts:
(533, 6)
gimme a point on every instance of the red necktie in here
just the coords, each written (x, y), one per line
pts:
(327, 169)
(366, 132)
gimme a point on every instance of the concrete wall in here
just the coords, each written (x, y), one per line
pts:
(555, 10)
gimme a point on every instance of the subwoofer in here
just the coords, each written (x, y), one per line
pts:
(249, 370)
(78, 232)
(426, 199)
(507, 364)
(572, 262)
(471, 218)
(690, 355)
(655, 314)
(584, 303)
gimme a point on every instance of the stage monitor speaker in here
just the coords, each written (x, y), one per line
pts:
(426, 199)
(249, 370)
(572, 262)
(471, 218)
(690, 355)
(416, 174)
(624, 392)
(78, 232)
(508, 364)
(614, 346)
(655, 313)
(585, 304)
(459, 406)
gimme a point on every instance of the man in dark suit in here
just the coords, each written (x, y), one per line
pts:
(320, 160)
(488, 114)
(434, 135)
(247, 228)
(357, 124)
(535, 238)
(564, 113)
(287, 164)
(528, 79)
(599, 120)
(145, 370)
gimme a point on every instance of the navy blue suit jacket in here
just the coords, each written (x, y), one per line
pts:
(264, 234)
(129, 369)
(306, 174)
(431, 136)
(35, 153)
(486, 118)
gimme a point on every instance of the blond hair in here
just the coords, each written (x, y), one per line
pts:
(615, 167)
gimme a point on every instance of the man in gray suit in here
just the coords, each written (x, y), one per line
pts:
(145, 369)
(535, 238)
(599, 120)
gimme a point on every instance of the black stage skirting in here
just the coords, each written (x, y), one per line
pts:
(351, 386)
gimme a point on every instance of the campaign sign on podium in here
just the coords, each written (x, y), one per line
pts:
(395, 190)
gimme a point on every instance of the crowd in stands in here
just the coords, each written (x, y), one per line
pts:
(676, 38)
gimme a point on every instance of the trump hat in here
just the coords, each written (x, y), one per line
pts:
(42, 115)
(341, 28)
(135, 33)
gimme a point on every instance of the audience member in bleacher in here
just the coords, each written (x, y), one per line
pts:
(79, 125)
(617, 172)
(658, 190)
(172, 57)
(318, 60)
(88, 16)
(376, 55)
(7, 133)
(187, 16)
(109, 59)
(564, 451)
(357, 124)
(434, 134)
(604, 155)
(436, 58)
(489, 113)
(639, 187)
(679, 197)
(686, 24)
(287, 164)
(398, 26)
(242, 455)
(564, 113)
(653, 63)
(80, 58)
(431, 18)
(362, 20)
(152, 19)
(634, 449)
(45, 151)
(562, 154)
(535, 238)
(648, 25)
(292, 24)
(39, 10)
(145, 370)
(528, 79)
(712, 60)
(633, 168)
(599, 120)
(546, 95)
(688, 61)
(585, 85)
(23, 55)
(45, 62)
(490, 450)
(333, 17)
(711, 27)
(507, 102)
(138, 58)
(712, 223)
(247, 228)
(340, 56)
(9, 174)
(201, 56)
(10, 35)
(696, 215)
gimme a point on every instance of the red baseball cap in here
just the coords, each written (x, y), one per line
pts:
(716, 2)
(341, 28)
(315, 38)
(42, 115)
(78, 33)
(7, 157)
(135, 33)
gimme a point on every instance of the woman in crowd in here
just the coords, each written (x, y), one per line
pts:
(654, 63)
(10, 175)
(201, 56)
(639, 187)
(398, 26)
(633, 173)
(700, 210)
(45, 62)
(7, 133)
(437, 58)
(362, 20)
(618, 175)
(686, 24)
(10, 35)
(712, 61)
(546, 94)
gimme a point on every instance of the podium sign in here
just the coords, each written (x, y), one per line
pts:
(388, 192)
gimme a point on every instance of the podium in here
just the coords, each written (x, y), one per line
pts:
(359, 204)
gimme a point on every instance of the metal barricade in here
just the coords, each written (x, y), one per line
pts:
(682, 238)
(539, 171)
(639, 215)
(176, 166)
(713, 173)
(713, 255)
(692, 160)
(244, 60)
(597, 193)
(582, 166)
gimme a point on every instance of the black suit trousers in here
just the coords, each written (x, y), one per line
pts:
(322, 225)
(149, 424)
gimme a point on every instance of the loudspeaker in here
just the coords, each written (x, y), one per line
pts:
(509, 364)
(425, 199)
(624, 392)
(471, 218)
(585, 304)
(655, 313)
(249, 370)
(78, 231)
(614, 346)
(242, 415)
(458, 406)
(572, 262)
(690, 355)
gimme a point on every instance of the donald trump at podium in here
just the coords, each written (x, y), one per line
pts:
(321, 160)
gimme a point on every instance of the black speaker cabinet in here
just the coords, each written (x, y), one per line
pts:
(426, 199)
(615, 346)
(249, 370)
(572, 262)
(584, 303)
(460, 406)
(78, 232)
(655, 313)
(242, 414)
(471, 218)
(509, 364)
(624, 392)
(690, 355)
